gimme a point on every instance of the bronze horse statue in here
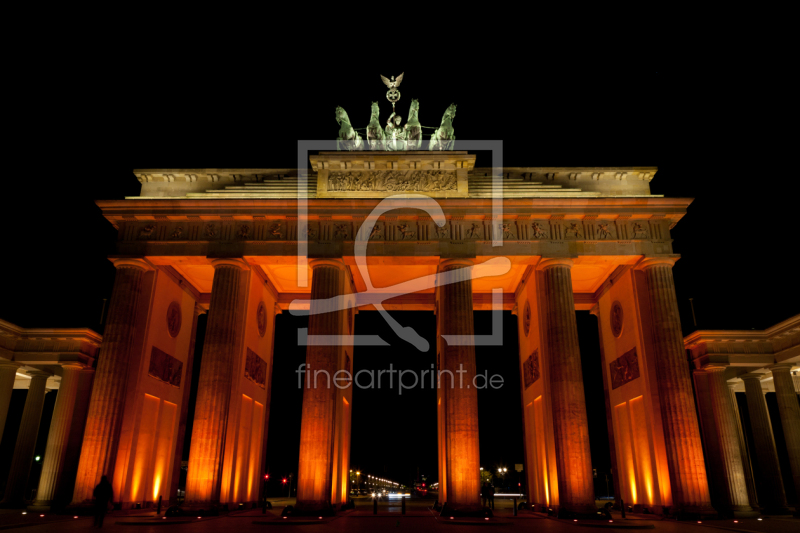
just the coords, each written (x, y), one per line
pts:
(413, 128)
(375, 134)
(444, 138)
(348, 139)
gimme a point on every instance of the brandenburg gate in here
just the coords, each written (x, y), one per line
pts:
(225, 242)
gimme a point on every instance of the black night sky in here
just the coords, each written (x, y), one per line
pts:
(186, 110)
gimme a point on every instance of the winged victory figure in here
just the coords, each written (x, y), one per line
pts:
(394, 82)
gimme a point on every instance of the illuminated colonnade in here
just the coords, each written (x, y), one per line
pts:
(587, 239)
(46, 360)
(747, 473)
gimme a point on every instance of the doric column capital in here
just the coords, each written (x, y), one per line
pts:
(131, 262)
(649, 262)
(554, 261)
(714, 368)
(456, 262)
(39, 374)
(751, 377)
(199, 310)
(7, 363)
(327, 262)
(781, 367)
(240, 263)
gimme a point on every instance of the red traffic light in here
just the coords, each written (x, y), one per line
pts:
(266, 476)
(423, 484)
(284, 480)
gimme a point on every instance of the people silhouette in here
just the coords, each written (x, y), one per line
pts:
(103, 493)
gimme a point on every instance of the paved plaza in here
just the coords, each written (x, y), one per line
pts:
(246, 521)
(418, 519)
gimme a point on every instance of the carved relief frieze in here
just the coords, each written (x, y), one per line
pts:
(573, 230)
(538, 230)
(341, 231)
(243, 232)
(255, 369)
(604, 230)
(177, 234)
(526, 318)
(405, 232)
(639, 230)
(617, 319)
(276, 231)
(393, 180)
(311, 231)
(443, 232)
(210, 231)
(624, 369)
(147, 231)
(508, 230)
(376, 234)
(473, 231)
(174, 319)
(165, 368)
(261, 319)
(530, 369)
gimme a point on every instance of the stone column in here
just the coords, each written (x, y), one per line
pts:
(789, 409)
(26, 441)
(773, 497)
(456, 326)
(733, 483)
(106, 406)
(317, 431)
(58, 436)
(746, 463)
(225, 314)
(687, 470)
(8, 373)
(570, 421)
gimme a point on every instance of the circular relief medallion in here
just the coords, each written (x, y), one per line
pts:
(616, 319)
(526, 318)
(174, 319)
(261, 319)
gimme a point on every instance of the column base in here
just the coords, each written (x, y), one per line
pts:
(41, 507)
(746, 514)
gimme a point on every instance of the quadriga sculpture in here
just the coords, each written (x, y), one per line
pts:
(413, 128)
(444, 138)
(348, 138)
(375, 135)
